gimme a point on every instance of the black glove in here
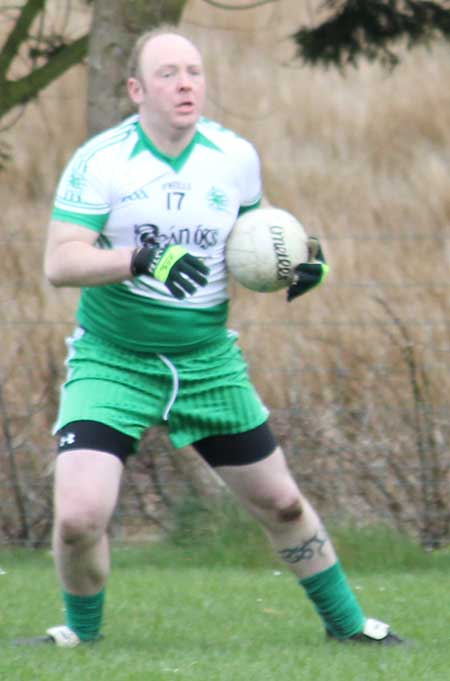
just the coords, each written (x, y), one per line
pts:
(309, 274)
(172, 265)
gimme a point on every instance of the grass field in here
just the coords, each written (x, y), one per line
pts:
(175, 613)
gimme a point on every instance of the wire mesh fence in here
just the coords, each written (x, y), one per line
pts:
(355, 375)
(365, 435)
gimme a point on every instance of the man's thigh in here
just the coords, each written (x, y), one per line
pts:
(265, 481)
(108, 385)
(216, 395)
(87, 482)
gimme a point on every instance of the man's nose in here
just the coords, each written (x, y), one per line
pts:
(184, 81)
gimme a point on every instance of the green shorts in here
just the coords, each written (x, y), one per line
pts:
(197, 394)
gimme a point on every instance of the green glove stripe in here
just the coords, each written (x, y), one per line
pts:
(325, 270)
(167, 261)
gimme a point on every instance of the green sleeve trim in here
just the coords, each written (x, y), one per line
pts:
(94, 222)
(245, 209)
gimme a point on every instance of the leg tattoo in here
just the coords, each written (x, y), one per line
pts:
(311, 548)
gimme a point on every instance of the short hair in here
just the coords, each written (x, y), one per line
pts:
(134, 62)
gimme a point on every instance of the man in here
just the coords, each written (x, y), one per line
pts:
(136, 227)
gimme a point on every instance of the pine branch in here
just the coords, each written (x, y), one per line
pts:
(370, 29)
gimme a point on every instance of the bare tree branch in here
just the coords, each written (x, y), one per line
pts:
(14, 473)
(18, 35)
(23, 90)
(251, 5)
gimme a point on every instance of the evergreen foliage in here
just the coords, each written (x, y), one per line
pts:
(371, 29)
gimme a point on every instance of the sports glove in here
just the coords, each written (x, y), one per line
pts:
(172, 265)
(309, 274)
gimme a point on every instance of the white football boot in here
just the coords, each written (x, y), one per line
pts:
(61, 636)
(374, 632)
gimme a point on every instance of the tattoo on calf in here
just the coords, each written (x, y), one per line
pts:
(307, 551)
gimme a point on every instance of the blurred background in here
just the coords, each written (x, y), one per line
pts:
(356, 374)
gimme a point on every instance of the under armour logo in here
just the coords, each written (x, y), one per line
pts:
(68, 439)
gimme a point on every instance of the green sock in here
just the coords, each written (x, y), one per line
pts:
(84, 614)
(334, 601)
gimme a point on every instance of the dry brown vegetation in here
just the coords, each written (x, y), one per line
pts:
(356, 373)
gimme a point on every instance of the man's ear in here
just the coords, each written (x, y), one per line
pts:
(135, 90)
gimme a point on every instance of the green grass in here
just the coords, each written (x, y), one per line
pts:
(178, 611)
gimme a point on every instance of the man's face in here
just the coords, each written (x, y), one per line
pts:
(170, 89)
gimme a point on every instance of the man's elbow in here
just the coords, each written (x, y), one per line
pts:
(53, 273)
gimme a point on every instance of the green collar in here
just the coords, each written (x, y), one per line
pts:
(144, 143)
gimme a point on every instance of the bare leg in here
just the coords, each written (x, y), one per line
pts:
(271, 495)
(86, 490)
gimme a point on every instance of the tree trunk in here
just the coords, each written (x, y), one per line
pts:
(115, 27)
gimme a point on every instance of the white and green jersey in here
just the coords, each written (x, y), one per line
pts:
(119, 185)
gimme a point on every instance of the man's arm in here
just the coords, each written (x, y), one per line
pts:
(72, 259)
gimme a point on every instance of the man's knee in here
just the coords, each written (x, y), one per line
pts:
(290, 511)
(281, 509)
(84, 526)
